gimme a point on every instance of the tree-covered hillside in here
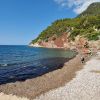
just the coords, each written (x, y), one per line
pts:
(86, 24)
(93, 9)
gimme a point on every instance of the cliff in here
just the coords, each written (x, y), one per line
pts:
(63, 33)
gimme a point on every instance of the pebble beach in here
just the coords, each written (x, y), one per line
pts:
(81, 83)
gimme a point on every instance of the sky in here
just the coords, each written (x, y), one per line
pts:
(22, 20)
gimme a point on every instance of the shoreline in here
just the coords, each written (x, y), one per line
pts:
(37, 86)
(85, 86)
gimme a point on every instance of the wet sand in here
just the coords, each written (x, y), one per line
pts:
(36, 86)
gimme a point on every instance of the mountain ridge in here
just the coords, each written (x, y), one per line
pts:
(93, 9)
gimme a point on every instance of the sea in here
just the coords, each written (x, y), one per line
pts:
(20, 62)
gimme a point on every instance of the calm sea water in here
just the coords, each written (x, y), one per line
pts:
(18, 63)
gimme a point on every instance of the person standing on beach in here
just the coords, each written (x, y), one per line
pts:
(82, 59)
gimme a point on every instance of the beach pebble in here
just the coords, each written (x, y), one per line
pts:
(85, 86)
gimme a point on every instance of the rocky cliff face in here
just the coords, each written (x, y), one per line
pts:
(54, 42)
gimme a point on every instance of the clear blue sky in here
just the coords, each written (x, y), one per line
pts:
(22, 20)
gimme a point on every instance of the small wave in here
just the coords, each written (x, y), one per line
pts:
(3, 65)
(24, 64)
